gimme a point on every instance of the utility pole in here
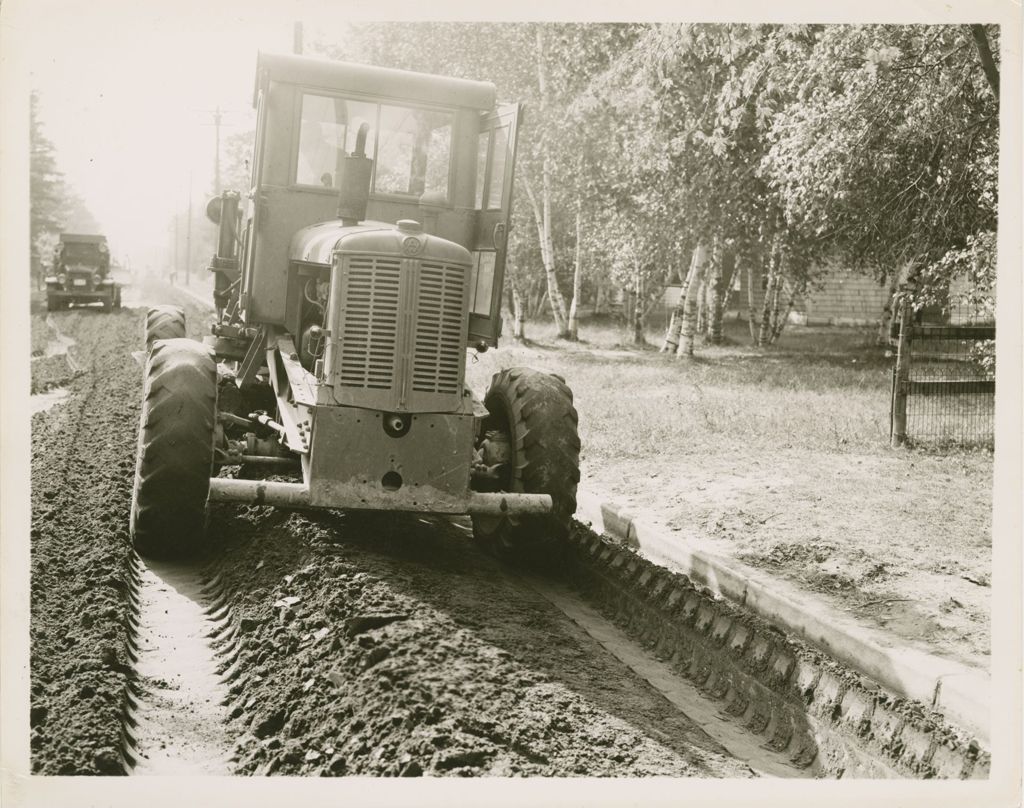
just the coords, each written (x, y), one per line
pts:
(175, 266)
(188, 234)
(216, 154)
(297, 38)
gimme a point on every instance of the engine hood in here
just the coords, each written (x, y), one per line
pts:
(318, 243)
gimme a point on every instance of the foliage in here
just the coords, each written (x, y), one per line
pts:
(792, 147)
(235, 166)
(975, 265)
(887, 151)
(54, 207)
(47, 190)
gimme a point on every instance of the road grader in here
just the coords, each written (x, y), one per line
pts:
(352, 280)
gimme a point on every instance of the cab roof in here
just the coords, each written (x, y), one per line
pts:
(79, 237)
(383, 82)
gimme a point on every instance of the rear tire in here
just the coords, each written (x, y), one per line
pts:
(164, 322)
(536, 411)
(175, 451)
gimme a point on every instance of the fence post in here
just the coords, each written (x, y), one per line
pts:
(900, 377)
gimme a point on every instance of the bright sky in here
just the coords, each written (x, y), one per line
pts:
(127, 97)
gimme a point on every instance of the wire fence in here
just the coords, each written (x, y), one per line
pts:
(944, 381)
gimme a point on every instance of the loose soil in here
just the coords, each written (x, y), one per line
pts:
(389, 645)
(82, 461)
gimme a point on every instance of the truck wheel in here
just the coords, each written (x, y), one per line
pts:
(164, 322)
(175, 451)
(536, 412)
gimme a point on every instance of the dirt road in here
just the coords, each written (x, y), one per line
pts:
(387, 646)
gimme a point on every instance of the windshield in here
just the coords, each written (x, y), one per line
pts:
(411, 147)
(82, 252)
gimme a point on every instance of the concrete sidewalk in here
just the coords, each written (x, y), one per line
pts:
(961, 692)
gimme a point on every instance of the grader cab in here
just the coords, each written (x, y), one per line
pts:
(352, 276)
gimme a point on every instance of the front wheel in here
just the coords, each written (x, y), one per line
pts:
(175, 451)
(534, 414)
(164, 322)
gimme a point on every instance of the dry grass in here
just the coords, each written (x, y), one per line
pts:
(819, 388)
(780, 457)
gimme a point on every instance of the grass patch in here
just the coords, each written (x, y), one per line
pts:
(817, 388)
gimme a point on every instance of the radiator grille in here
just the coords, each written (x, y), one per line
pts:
(369, 333)
(437, 344)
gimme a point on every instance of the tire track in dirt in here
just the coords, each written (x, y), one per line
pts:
(683, 695)
(179, 719)
(81, 579)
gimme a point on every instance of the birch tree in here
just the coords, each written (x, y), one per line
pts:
(688, 324)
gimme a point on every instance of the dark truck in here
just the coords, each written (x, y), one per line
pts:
(81, 273)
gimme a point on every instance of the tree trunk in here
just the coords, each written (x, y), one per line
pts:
(900, 281)
(542, 208)
(776, 296)
(638, 305)
(547, 251)
(574, 325)
(770, 292)
(518, 315)
(688, 326)
(988, 64)
(885, 321)
(675, 323)
(702, 305)
(783, 318)
(752, 279)
(715, 294)
(599, 299)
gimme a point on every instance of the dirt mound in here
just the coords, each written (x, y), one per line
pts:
(82, 465)
(389, 646)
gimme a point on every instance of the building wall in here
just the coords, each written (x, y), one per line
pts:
(845, 298)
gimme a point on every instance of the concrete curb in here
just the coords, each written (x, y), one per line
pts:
(961, 692)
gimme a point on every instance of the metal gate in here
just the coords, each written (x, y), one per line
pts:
(943, 384)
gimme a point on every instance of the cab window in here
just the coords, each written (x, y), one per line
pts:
(413, 152)
(411, 147)
(327, 130)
